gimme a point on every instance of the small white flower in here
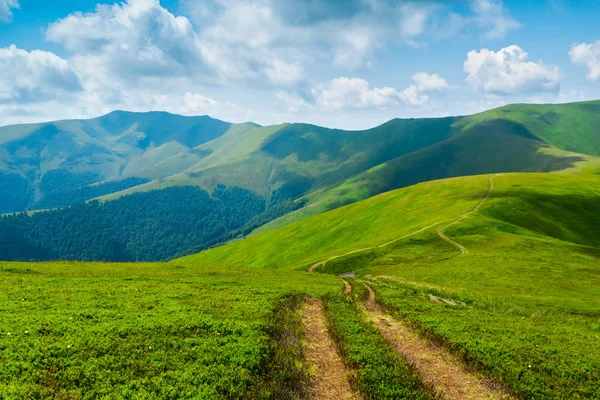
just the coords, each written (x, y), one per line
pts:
(8, 333)
(27, 332)
(68, 347)
(529, 365)
(150, 347)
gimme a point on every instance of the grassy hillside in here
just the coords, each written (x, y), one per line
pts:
(503, 271)
(79, 330)
(521, 304)
(367, 223)
(571, 127)
(62, 156)
(59, 164)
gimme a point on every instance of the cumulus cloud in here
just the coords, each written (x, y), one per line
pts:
(588, 55)
(241, 33)
(34, 76)
(346, 92)
(6, 7)
(509, 71)
(132, 39)
(425, 83)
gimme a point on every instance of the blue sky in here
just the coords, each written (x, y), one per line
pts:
(349, 64)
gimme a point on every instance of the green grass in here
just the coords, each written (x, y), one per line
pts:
(526, 293)
(565, 126)
(91, 330)
(367, 223)
(377, 370)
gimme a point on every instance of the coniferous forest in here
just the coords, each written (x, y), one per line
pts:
(146, 226)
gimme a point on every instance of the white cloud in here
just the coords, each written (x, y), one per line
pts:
(346, 92)
(509, 71)
(416, 95)
(34, 76)
(493, 13)
(6, 7)
(240, 35)
(130, 40)
(412, 96)
(430, 82)
(588, 55)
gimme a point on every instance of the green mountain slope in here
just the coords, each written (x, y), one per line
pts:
(567, 212)
(504, 270)
(57, 157)
(298, 168)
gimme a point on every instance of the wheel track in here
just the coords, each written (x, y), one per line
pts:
(329, 380)
(440, 232)
(435, 365)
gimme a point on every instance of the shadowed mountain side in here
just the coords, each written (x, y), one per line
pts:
(494, 146)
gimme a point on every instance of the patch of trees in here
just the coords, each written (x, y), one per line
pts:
(147, 226)
(65, 197)
(273, 212)
(15, 192)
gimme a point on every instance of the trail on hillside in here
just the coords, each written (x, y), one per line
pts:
(312, 267)
(435, 365)
(330, 378)
(439, 231)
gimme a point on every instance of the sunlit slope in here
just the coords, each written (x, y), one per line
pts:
(363, 224)
(573, 127)
(546, 205)
(490, 147)
(491, 142)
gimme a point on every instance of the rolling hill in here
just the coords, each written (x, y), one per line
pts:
(298, 169)
(503, 269)
(42, 164)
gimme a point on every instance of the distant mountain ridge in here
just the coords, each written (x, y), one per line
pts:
(58, 157)
(298, 169)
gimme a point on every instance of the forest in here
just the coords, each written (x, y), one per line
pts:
(147, 226)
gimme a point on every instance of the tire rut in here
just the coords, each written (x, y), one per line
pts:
(329, 379)
(435, 365)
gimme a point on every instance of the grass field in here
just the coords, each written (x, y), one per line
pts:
(76, 330)
(521, 304)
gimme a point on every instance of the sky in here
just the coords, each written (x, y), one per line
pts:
(348, 64)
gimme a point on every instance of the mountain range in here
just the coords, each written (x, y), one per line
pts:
(298, 170)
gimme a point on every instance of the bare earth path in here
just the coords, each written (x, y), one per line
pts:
(330, 378)
(449, 379)
(459, 246)
(440, 232)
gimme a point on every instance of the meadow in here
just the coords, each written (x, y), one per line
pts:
(521, 305)
(513, 294)
(93, 330)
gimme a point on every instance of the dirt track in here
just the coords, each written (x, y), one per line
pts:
(438, 368)
(440, 232)
(329, 378)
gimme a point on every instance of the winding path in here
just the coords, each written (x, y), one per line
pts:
(435, 365)
(439, 231)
